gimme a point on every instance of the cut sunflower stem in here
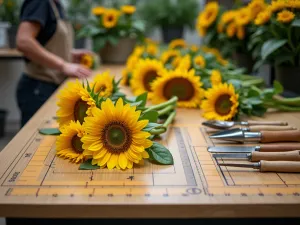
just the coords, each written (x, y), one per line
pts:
(166, 110)
(249, 83)
(158, 131)
(287, 101)
(170, 119)
(172, 101)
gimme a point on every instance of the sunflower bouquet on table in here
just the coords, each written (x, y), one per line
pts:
(100, 127)
(109, 25)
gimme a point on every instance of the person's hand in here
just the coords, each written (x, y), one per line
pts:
(75, 70)
(78, 53)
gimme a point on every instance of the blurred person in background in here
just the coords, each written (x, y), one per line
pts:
(46, 40)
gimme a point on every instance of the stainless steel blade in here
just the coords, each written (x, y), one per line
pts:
(252, 165)
(232, 149)
(232, 155)
(230, 135)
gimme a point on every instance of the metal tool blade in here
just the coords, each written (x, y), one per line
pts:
(232, 149)
(232, 155)
(230, 135)
(218, 124)
(252, 165)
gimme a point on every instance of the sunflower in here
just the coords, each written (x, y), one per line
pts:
(185, 63)
(221, 102)
(231, 29)
(131, 62)
(255, 7)
(114, 136)
(68, 144)
(138, 51)
(216, 53)
(228, 16)
(216, 77)
(103, 84)
(98, 11)
(152, 49)
(208, 16)
(285, 16)
(177, 43)
(181, 83)
(128, 9)
(240, 32)
(277, 5)
(169, 55)
(194, 48)
(87, 60)
(125, 77)
(243, 17)
(220, 27)
(199, 61)
(263, 17)
(110, 18)
(202, 31)
(146, 71)
(74, 103)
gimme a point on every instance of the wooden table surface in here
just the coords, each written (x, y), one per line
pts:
(34, 183)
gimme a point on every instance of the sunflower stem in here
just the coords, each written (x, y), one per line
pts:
(165, 110)
(158, 131)
(172, 101)
(170, 119)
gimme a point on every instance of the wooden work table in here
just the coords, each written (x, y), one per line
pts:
(34, 183)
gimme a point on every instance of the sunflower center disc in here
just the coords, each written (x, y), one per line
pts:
(223, 105)
(179, 87)
(209, 14)
(110, 18)
(80, 109)
(77, 144)
(149, 78)
(117, 137)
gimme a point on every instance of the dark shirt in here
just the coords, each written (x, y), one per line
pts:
(40, 11)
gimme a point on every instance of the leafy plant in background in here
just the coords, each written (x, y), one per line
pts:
(109, 25)
(168, 13)
(77, 13)
(9, 11)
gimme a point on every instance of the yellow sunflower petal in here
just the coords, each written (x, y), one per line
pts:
(123, 161)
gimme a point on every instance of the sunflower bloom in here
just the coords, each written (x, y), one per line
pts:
(231, 29)
(185, 63)
(138, 51)
(114, 136)
(169, 55)
(216, 77)
(177, 43)
(228, 16)
(110, 18)
(199, 61)
(285, 16)
(263, 17)
(144, 74)
(68, 143)
(194, 48)
(98, 11)
(87, 60)
(220, 28)
(208, 16)
(74, 104)
(125, 77)
(181, 83)
(277, 5)
(255, 7)
(151, 49)
(243, 17)
(128, 9)
(103, 84)
(221, 102)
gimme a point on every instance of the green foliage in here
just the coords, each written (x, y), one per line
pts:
(159, 154)
(168, 13)
(49, 131)
(87, 165)
(9, 11)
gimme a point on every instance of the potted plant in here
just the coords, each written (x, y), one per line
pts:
(77, 11)
(114, 32)
(278, 36)
(9, 12)
(172, 16)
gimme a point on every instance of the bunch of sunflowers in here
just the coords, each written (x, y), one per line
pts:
(108, 25)
(277, 33)
(90, 61)
(100, 127)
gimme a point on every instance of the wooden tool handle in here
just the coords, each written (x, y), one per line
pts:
(276, 156)
(270, 128)
(280, 136)
(269, 123)
(280, 147)
(279, 166)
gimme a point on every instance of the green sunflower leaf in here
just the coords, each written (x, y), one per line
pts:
(160, 154)
(87, 165)
(152, 116)
(152, 126)
(49, 131)
(143, 98)
(278, 88)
